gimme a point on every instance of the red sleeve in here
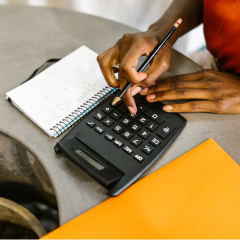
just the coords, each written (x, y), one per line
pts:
(222, 32)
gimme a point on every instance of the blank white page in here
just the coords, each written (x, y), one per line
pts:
(60, 89)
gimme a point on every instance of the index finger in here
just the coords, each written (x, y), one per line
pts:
(127, 97)
(130, 60)
(107, 62)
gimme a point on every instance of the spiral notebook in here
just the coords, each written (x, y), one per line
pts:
(62, 94)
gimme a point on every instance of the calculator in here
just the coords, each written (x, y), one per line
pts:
(116, 147)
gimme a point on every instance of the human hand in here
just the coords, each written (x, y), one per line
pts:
(126, 53)
(208, 90)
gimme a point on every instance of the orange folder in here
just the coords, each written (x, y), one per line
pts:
(195, 196)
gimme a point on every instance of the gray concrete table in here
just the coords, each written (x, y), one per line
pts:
(31, 35)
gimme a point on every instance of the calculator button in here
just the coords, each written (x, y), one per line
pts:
(136, 142)
(99, 116)
(127, 150)
(165, 130)
(135, 127)
(144, 134)
(151, 126)
(155, 142)
(118, 129)
(116, 115)
(147, 149)
(107, 110)
(133, 116)
(142, 120)
(109, 137)
(138, 157)
(141, 108)
(108, 122)
(118, 143)
(127, 135)
(90, 124)
(154, 116)
(99, 130)
(123, 108)
(126, 121)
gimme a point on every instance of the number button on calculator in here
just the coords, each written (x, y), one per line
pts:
(135, 127)
(142, 120)
(118, 129)
(126, 121)
(127, 135)
(99, 116)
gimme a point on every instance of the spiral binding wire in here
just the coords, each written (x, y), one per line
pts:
(81, 111)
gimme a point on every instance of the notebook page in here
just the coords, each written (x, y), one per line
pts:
(56, 92)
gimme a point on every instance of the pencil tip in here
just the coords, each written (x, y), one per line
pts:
(116, 99)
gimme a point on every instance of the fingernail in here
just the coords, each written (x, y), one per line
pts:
(167, 108)
(135, 91)
(150, 97)
(131, 110)
(144, 90)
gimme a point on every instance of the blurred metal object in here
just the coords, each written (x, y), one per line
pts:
(14, 213)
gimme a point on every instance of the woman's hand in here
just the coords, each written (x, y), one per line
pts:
(126, 53)
(208, 90)
(131, 46)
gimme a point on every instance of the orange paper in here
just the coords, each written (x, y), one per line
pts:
(195, 196)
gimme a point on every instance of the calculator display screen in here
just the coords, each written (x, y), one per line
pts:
(94, 163)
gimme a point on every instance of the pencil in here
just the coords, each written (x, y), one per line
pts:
(147, 61)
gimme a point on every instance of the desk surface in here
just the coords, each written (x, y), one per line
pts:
(31, 35)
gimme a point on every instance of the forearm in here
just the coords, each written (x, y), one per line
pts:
(191, 11)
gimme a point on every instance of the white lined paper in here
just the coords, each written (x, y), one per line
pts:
(58, 91)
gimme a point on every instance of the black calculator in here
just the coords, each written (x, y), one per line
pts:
(116, 147)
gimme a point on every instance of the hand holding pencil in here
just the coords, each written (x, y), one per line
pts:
(126, 52)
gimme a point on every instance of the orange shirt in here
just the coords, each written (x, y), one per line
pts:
(222, 32)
